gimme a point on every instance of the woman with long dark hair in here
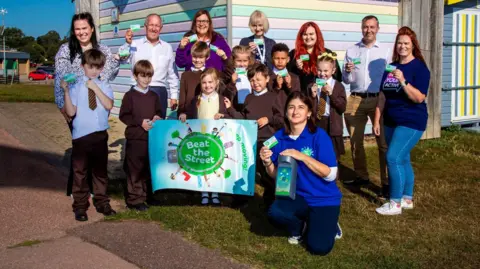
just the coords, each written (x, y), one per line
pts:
(202, 27)
(309, 44)
(313, 215)
(402, 97)
(68, 60)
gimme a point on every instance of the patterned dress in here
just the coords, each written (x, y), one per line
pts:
(63, 66)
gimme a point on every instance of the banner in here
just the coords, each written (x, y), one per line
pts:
(204, 155)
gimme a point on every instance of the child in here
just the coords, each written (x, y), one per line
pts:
(208, 105)
(282, 82)
(190, 81)
(237, 85)
(330, 101)
(90, 101)
(140, 108)
(258, 106)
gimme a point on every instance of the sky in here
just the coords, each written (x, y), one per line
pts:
(37, 17)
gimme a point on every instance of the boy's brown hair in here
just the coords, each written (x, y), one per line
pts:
(143, 68)
(257, 68)
(94, 58)
(200, 49)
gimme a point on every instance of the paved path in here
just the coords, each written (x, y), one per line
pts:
(34, 150)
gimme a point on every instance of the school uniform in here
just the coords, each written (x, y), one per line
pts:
(205, 107)
(331, 119)
(138, 105)
(236, 91)
(282, 94)
(89, 145)
(189, 88)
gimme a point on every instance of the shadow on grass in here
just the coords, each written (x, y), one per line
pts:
(369, 192)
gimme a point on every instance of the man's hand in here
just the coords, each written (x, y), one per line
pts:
(129, 36)
(349, 67)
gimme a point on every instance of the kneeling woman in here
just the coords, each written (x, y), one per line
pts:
(313, 215)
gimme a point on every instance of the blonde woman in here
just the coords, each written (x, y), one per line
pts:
(259, 44)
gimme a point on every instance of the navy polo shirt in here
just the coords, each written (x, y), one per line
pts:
(318, 145)
(399, 109)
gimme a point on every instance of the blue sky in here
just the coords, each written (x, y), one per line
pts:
(37, 17)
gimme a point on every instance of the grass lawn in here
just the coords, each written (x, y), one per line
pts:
(26, 93)
(441, 232)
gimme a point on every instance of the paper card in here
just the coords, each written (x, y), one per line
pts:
(70, 78)
(321, 82)
(258, 41)
(305, 57)
(271, 142)
(135, 27)
(282, 73)
(356, 61)
(390, 68)
(192, 38)
(240, 71)
(213, 48)
(124, 53)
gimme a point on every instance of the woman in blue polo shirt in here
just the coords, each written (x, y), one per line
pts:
(313, 215)
(402, 102)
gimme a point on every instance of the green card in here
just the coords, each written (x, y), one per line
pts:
(124, 53)
(213, 48)
(240, 71)
(192, 38)
(305, 57)
(282, 73)
(135, 27)
(321, 82)
(356, 61)
(70, 78)
(258, 41)
(390, 68)
(271, 142)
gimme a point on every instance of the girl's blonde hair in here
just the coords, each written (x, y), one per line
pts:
(239, 49)
(328, 57)
(258, 16)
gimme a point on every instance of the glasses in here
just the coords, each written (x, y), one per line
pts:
(203, 21)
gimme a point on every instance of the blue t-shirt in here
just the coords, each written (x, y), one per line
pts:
(399, 109)
(316, 190)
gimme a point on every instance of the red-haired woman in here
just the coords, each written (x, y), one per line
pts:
(309, 42)
(202, 27)
(402, 101)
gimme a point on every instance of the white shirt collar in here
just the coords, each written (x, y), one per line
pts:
(260, 93)
(145, 40)
(212, 96)
(331, 82)
(140, 90)
(197, 69)
(361, 44)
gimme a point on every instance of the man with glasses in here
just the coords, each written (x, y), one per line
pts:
(365, 63)
(160, 55)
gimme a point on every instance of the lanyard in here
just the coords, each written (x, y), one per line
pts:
(261, 53)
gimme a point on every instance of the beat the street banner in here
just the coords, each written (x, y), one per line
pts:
(204, 155)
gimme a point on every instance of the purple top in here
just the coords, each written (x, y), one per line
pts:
(183, 57)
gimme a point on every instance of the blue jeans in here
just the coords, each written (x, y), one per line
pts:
(400, 141)
(321, 222)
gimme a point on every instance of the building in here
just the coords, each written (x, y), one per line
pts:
(22, 60)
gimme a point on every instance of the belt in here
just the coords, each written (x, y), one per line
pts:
(364, 94)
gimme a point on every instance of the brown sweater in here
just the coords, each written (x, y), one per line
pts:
(338, 104)
(281, 98)
(256, 107)
(192, 108)
(273, 85)
(189, 88)
(136, 107)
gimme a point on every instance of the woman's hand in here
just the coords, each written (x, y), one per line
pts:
(376, 128)
(227, 102)
(218, 116)
(398, 74)
(182, 117)
(252, 46)
(129, 36)
(184, 42)
(300, 64)
(265, 154)
(297, 155)
(222, 54)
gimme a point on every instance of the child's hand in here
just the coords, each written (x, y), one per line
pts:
(314, 90)
(252, 46)
(64, 85)
(155, 118)
(279, 82)
(327, 89)
(262, 122)
(299, 64)
(227, 102)
(182, 117)
(222, 54)
(146, 125)
(91, 85)
(234, 77)
(184, 42)
(288, 81)
(218, 116)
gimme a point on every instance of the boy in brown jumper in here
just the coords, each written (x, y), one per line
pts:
(140, 109)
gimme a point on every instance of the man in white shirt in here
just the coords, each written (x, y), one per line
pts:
(160, 55)
(364, 66)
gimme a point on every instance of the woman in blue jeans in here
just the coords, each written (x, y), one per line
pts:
(313, 215)
(402, 102)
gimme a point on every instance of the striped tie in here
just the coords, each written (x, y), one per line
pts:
(92, 99)
(322, 104)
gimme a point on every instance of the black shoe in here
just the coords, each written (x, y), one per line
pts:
(81, 215)
(139, 207)
(154, 202)
(357, 181)
(106, 210)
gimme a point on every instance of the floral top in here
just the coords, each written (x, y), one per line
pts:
(63, 66)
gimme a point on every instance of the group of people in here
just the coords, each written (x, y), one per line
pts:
(297, 96)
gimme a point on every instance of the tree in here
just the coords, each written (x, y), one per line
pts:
(37, 52)
(14, 37)
(50, 42)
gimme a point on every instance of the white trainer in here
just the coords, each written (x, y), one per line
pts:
(294, 240)
(390, 208)
(405, 204)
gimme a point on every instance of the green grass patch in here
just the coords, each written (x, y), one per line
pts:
(27, 243)
(441, 232)
(27, 93)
